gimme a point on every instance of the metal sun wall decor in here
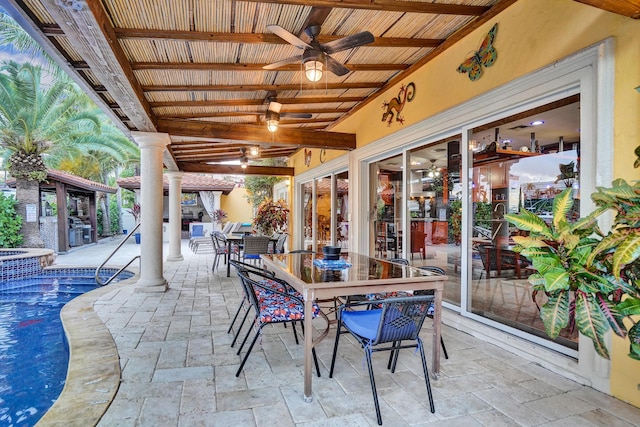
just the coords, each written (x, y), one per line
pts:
(485, 56)
(406, 94)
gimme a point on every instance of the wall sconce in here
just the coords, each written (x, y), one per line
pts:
(272, 119)
(254, 151)
(313, 70)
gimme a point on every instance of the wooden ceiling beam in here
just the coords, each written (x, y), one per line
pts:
(240, 132)
(215, 114)
(628, 8)
(254, 88)
(90, 31)
(235, 169)
(249, 102)
(388, 5)
(258, 38)
(252, 67)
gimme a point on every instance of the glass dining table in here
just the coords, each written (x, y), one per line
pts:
(352, 274)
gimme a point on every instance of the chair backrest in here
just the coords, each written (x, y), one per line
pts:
(402, 318)
(400, 261)
(256, 244)
(279, 247)
(239, 265)
(482, 250)
(433, 268)
(219, 240)
(197, 230)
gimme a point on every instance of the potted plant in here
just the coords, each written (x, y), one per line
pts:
(271, 217)
(591, 279)
(135, 211)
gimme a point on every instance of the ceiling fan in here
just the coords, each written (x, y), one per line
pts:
(273, 114)
(315, 54)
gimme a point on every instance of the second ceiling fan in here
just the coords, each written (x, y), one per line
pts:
(273, 114)
(316, 54)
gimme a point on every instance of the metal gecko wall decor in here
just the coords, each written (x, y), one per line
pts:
(406, 94)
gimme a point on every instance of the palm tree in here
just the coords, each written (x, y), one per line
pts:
(33, 118)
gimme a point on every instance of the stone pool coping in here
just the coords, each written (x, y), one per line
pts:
(93, 375)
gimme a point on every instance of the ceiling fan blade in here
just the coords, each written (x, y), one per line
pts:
(297, 115)
(335, 67)
(276, 65)
(274, 106)
(288, 37)
(348, 42)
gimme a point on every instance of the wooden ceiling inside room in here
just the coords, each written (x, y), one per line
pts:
(193, 68)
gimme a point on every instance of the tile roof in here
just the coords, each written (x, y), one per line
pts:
(191, 182)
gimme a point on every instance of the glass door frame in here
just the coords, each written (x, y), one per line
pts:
(331, 170)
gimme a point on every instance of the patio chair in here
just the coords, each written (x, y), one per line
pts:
(244, 303)
(219, 247)
(201, 243)
(437, 270)
(228, 227)
(274, 301)
(279, 246)
(254, 246)
(397, 320)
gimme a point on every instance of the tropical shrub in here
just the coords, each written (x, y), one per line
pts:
(10, 223)
(271, 216)
(591, 279)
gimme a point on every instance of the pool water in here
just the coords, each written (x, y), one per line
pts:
(33, 349)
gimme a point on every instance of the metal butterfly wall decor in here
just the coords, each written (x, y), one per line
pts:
(485, 56)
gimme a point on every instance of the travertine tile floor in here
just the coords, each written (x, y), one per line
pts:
(179, 370)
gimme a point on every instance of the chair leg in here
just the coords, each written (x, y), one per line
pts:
(295, 332)
(373, 385)
(237, 334)
(246, 337)
(235, 317)
(426, 375)
(246, 356)
(335, 350)
(444, 349)
(313, 350)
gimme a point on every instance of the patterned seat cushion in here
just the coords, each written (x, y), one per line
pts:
(279, 308)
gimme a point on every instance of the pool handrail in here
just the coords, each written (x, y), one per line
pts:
(97, 276)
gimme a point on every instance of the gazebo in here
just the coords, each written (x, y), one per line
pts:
(76, 225)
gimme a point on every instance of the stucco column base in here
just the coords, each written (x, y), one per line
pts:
(175, 258)
(151, 286)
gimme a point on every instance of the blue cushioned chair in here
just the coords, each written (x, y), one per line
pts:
(397, 320)
(274, 301)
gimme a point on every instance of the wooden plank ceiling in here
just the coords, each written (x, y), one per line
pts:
(194, 68)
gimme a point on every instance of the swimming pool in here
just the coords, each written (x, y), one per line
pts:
(33, 349)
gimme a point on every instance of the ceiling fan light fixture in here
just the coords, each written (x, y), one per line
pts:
(255, 150)
(272, 125)
(244, 162)
(313, 70)
(272, 119)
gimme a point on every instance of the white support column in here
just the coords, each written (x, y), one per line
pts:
(217, 196)
(152, 145)
(175, 216)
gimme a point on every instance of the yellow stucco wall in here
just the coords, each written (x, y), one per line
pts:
(532, 34)
(237, 206)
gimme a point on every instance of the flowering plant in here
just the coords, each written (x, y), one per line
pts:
(271, 216)
(135, 211)
(218, 216)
